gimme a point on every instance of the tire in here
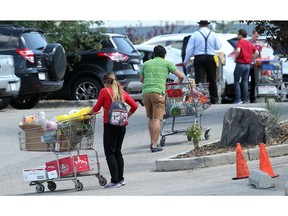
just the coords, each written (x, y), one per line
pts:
(51, 185)
(78, 186)
(56, 60)
(102, 180)
(86, 88)
(162, 141)
(207, 134)
(40, 188)
(25, 103)
(4, 102)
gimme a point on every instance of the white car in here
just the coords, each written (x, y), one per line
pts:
(173, 55)
(9, 82)
(227, 81)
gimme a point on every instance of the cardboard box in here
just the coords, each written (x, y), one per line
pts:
(35, 174)
(32, 139)
(66, 166)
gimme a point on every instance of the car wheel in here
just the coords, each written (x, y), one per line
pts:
(4, 102)
(56, 60)
(25, 103)
(85, 89)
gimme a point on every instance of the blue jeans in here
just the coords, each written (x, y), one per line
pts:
(241, 72)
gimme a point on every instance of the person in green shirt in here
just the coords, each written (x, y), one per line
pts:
(153, 75)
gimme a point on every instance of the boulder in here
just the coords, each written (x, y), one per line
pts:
(248, 126)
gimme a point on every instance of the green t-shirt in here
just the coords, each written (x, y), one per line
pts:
(155, 72)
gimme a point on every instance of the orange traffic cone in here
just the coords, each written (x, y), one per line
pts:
(242, 170)
(264, 162)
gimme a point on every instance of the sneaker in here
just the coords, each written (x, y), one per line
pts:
(122, 183)
(112, 185)
(238, 102)
(156, 149)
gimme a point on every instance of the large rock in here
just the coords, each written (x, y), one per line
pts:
(248, 126)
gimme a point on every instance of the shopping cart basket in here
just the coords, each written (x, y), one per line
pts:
(182, 100)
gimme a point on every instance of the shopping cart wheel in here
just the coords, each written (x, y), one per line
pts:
(162, 141)
(78, 186)
(207, 134)
(189, 138)
(102, 180)
(40, 188)
(51, 185)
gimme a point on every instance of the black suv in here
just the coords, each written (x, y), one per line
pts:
(40, 66)
(83, 80)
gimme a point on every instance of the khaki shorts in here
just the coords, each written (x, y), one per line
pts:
(154, 104)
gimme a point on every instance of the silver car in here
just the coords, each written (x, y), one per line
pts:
(9, 83)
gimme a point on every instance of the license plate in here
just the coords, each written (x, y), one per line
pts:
(13, 86)
(41, 76)
(135, 66)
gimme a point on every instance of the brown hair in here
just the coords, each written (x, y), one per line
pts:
(116, 87)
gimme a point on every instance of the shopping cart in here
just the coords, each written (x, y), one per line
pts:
(269, 80)
(187, 99)
(73, 135)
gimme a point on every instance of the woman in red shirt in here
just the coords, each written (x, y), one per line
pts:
(113, 136)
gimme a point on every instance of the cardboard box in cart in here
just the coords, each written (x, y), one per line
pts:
(31, 138)
(66, 166)
(35, 174)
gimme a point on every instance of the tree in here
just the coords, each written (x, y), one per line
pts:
(276, 31)
(74, 36)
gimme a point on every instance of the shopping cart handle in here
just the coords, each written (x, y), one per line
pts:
(172, 83)
(175, 83)
(89, 114)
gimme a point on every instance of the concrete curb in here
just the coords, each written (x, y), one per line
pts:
(173, 164)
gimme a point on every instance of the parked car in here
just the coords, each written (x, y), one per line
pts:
(40, 66)
(146, 52)
(173, 55)
(227, 80)
(9, 83)
(83, 80)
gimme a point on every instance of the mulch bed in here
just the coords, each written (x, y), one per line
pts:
(214, 148)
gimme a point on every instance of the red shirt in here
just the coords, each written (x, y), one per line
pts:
(105, 101)
(246, 51)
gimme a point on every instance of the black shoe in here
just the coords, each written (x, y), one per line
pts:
(156, 149)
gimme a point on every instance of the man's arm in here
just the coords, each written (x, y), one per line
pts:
(141, 78)
(180, 76)
(189, 50)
